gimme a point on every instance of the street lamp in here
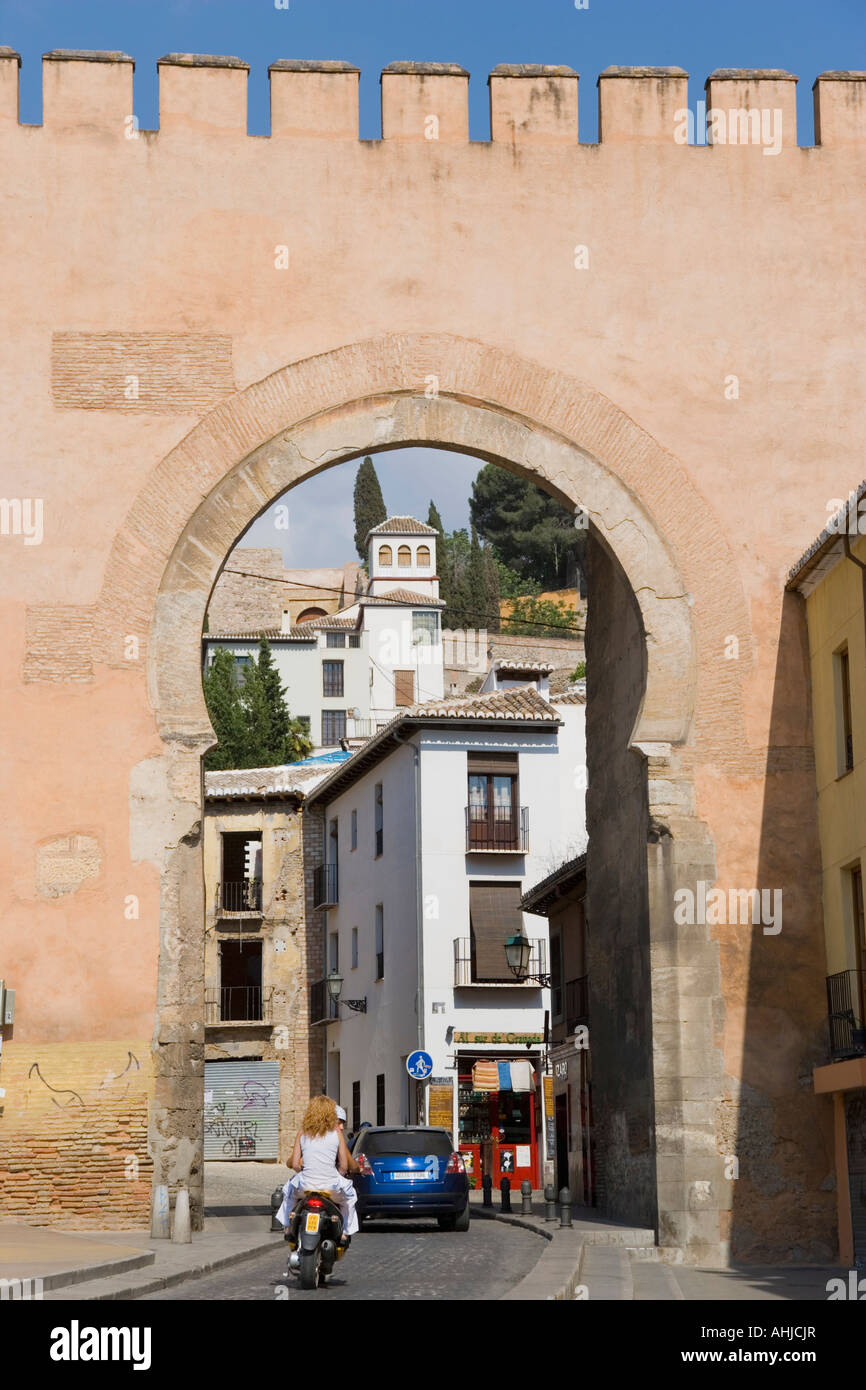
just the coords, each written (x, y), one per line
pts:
(335, 987)
(518, 950)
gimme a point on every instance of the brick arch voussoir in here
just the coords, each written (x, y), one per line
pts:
(155, 577)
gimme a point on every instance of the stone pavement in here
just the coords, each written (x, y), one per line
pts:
(127, 1264)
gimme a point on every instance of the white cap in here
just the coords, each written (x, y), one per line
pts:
(341, 1114)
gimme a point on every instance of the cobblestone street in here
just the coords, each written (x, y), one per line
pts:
(388, 1260)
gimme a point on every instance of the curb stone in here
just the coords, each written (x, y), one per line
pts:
(155, 1283)
(555, 1276)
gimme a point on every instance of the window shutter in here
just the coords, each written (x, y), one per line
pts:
(404, 688)
(496, 764)
(494, 915)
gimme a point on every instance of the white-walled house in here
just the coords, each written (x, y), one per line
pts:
(347, 673)
(432, 832)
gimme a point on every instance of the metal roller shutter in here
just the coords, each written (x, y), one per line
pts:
(242, 1110)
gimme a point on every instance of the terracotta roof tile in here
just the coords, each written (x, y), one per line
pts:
(402, 526)
(525, 703)
(403, 596)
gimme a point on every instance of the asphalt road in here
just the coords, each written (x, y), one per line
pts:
(387, 1260)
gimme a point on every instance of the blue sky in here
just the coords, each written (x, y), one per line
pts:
(803, 36)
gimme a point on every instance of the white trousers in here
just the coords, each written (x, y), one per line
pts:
(348, 1199)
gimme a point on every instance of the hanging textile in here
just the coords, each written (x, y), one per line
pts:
(504, 1076)
(522, 1076)
(485, 1076)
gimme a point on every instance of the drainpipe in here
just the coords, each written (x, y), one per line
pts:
(862, 568)
(419, 897)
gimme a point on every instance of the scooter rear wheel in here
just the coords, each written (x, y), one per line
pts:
(309, 1268)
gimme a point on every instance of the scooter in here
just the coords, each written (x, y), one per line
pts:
(314, 1233)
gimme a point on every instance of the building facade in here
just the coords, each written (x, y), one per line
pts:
(261, 951)
(347, 672)
(831, 579)
(432, 830)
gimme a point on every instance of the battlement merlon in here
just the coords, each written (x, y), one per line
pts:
(202, 95)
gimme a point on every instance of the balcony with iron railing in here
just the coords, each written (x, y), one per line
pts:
(238, 1004)
(241, 898)
(326, 891)
(465, 972)
(323, 1009)
(497, 830)
(845, 1014)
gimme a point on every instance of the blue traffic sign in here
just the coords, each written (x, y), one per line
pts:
(419, 1065)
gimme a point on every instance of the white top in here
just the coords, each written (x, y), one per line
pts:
(319, 1154)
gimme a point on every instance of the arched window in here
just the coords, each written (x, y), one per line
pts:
(385, 555)
(423, 557)
(404, 557)
(309, 614)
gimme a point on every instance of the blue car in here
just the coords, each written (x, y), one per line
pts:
(411, 1171)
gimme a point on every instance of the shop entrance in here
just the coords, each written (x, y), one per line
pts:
(498, 1129)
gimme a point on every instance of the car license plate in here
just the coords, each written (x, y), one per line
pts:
(312, 1221)
(411, 1177)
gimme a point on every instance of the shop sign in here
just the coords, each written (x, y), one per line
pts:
(511, 1039)
(441, 1103)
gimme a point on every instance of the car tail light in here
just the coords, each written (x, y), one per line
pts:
(455, 1164)
(365, 1166)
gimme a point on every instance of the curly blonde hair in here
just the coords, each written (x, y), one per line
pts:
(320, 1116)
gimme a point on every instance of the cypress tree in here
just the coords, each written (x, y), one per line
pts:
(491, 590)
(443, 567)
(369, 505)
(223, 699)
(475, 584)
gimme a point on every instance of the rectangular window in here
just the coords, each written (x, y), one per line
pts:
(493, 801)
(380, 942)
(332, 678)
(380, 1099)
(334, 843)
(354, 844)
(333, 726)
(354, 948)
(334, 953)
(241, 882)
(494, 915)
(354, 639)
(304, 721)
(556, 976)
(240, 989)
(240, 668)
(356, 1106)
(425, 629)
(335, 639)
(380, 824)
(404, 688)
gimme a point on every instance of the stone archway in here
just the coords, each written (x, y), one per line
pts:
(647, 519)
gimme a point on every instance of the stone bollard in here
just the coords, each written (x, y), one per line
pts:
(181, 1231)
(487, 1188)
(276, 1203)
(526, 1194)
(550, 1202)
(565, 1207)
(160, 1213)
(505, 1194)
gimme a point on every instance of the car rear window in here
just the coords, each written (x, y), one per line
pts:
(412, 1143)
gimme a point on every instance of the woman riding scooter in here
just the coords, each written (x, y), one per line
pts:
(320, 1159)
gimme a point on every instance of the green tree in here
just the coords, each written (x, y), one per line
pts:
(536, 617)
(442, 565)
(222, 697)
(491, 591)
(530, 532)
(369, 505)
(251, 720)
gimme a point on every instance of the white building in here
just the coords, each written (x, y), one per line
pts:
(348, 673)
(433, 830)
